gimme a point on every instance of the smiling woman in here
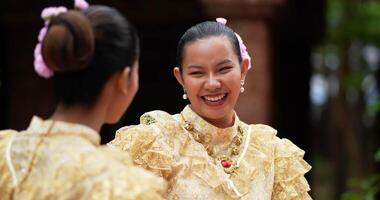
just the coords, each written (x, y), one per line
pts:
(211, 74)
(206, 152)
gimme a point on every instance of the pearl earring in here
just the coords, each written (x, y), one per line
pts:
(184, 96)
(242, 89)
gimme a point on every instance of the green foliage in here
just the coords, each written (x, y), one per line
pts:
(364, 188)
(354, 80)
(349, 21)
(377, 155)
(353, 20)
(375, 108)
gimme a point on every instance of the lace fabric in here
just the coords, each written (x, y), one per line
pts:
(70, 164)
(272, 168)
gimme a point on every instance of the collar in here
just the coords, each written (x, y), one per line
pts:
(213, 134)
(40, 126)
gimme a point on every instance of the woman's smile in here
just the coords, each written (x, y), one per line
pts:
(215, 100)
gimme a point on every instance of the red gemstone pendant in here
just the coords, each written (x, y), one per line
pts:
(225, 163)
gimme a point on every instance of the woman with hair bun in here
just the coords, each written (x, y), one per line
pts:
(205, 151)
(91, 53)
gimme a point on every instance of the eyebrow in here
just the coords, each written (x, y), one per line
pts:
(224, 62)
(220, 63)
(195, 67)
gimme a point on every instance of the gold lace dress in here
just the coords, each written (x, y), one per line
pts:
(189, 153)
(58, 160)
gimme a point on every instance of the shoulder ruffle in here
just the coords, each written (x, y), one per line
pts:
(154, 144)
(290, 168)
(154, 116)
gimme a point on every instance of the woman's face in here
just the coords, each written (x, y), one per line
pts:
(211, 75)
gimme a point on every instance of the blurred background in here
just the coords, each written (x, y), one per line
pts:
(315, 75)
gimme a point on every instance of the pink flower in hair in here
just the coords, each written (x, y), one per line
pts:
(50, 12)
(221, 20)
(42, 34)
(39, 64)
(37, 50)
(243, 48)
(81, 4)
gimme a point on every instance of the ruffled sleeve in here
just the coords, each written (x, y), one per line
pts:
(290, 168)
(148, 144)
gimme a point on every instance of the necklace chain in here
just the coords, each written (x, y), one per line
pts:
(229, 165)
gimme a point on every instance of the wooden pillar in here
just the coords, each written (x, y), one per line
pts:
(249, 18)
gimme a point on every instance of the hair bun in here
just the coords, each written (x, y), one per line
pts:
(69, 42)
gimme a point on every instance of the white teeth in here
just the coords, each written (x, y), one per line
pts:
(214, 98)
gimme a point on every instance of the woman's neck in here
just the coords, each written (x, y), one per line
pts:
(79, 114)
(224, 122)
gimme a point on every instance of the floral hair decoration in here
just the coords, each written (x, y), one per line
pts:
(243, 48)
(47, 14)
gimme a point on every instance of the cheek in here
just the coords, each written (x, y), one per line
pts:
(233, 83)
(192, 86)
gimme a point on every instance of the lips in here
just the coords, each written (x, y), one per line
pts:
(215, 100)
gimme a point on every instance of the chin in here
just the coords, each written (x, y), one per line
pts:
(215, 114)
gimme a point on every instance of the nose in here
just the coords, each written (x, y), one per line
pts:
(212, 83)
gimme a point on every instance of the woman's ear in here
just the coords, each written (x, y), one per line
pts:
(123, 80)
(244, 68)
(178, 75)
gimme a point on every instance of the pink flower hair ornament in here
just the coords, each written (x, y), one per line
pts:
(40, 65)
(81, 4)
(243, 48)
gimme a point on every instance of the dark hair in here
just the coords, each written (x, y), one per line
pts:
(84, 49)
(205, 30)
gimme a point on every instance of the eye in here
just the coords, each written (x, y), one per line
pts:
(225, 69)
(196, 73)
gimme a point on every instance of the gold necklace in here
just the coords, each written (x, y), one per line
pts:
(229, 165)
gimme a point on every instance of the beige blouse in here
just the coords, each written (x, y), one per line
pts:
(58, 160)
(191, 155)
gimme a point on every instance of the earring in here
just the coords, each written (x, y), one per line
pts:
(242, 89)
(184, 96)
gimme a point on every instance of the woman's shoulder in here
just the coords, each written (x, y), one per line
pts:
(7, 133)
(266, 136)
(155, 116)
(289, 164)
(6, 136)
(262, 129)
(266, 132)
(262, 133)
(158, 130)
(151, 123)
(108, 171)
(282, 145)
(133, 182)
